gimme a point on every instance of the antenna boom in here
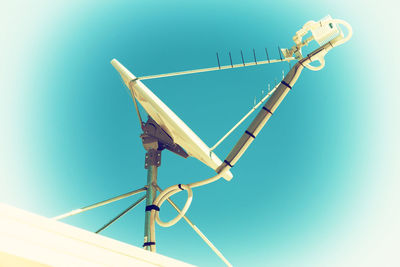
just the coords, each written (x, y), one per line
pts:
(214, 68)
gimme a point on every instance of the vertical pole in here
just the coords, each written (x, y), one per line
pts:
(152, 162)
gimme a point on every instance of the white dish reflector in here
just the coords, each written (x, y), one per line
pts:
(169, 121)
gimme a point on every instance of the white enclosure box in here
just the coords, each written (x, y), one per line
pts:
(325, 30)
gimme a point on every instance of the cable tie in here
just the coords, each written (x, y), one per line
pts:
(286, 84)
(267, 110)
(180, 187)
(228, 163)
(152, 207)
(249, 133)
(148, 244)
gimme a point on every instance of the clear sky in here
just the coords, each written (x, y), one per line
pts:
(319, 186)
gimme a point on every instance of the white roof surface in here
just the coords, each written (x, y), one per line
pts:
(169, 121)
(27, 239)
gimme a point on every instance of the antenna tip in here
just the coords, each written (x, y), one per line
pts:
(114, 62)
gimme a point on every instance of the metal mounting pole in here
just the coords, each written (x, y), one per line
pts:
(154, 140)
(153, 160)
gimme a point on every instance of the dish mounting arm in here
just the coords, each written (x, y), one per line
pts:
(271, 105)
(262, 117)
(153, 133)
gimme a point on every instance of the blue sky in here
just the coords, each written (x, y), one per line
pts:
(317, 187)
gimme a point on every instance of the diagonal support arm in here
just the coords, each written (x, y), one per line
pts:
(99, 204)
(121, 214)
(197, 230)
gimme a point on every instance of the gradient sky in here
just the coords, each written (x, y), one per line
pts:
(319, 186)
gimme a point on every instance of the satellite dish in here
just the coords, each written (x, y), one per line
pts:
(169, 121)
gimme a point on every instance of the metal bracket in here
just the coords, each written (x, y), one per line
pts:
(153, 158)
(155, 138)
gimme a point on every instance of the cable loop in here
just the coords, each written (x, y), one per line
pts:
(167, 193)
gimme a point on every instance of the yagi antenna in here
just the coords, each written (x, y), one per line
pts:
(165, 130)
(231, 66)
